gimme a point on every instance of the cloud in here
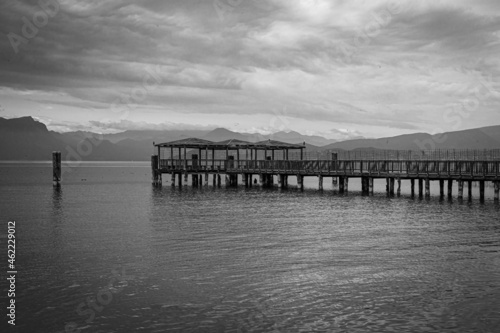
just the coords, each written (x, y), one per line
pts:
(341, 63)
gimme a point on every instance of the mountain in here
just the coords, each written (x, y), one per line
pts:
(28, 139)
(478, 138)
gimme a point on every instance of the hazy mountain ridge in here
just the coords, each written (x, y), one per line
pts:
(27, 139)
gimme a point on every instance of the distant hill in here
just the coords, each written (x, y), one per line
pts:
(479, 138)
(27, 139)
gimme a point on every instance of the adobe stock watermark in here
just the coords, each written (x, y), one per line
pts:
(455, 114)
(380, 19)
(103, 297)
(48, 9)
(127, 102)
(121, 106)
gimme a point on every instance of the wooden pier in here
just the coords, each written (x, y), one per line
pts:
(260, 163)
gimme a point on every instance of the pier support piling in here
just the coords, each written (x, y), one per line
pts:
(334, 182)
(450, 188)
(412, 182)
(427, 188)
(481, 190)
(469, 189)
(320, 182)
(172, 179)
(420, 187)
(300, 182)
(399, 187)
(370, 185)
(206, 179)
(219, 181)
(56, 168)
(341, 184)
(460, 189)
(441, 188)
(496, 185)
(346, 184)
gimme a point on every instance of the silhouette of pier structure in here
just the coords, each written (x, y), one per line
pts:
(261, 163)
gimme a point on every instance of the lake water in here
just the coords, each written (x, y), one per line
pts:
(108, 252)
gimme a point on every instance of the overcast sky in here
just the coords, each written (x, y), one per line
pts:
(334, 68)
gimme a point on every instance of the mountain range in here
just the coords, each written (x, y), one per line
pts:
(28, 139)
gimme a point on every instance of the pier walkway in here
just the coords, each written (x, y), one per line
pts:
(269, 160)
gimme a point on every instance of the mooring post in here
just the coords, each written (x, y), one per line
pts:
(420, 187)
(460, 189)
(469, 189)
(427, 188)
(56, 168)
(399, 187)
(496, 185)
(154, 170)
(412, 182)
(441, 188)
(481, 190)
(450, 188)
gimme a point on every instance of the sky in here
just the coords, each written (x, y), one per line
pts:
(336, 68)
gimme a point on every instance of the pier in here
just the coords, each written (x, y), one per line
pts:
(260, 163)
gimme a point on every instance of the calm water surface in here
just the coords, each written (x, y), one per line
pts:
(110, 253)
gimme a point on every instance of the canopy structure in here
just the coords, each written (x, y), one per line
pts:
(253, 150)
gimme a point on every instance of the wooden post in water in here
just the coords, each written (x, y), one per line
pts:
(172, 179)
(180, 179)
(391, 186)
(399, 187)
(412, 181)
(481, 190)
(261, 180)
(218, 180)
(450, 188)
(56, 168)
(496, 185)
(388, 186)
(285, 180)
(346, 186)
(427, 188)
(420, 187)
(194, 180)
(227, 181)
(206, 179)
(469, 189)
(370, 184)
(334, 182)
(320, 182)
(460, 189)
(441, 188)
(154, 170)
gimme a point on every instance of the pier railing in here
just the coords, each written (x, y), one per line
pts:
(435, 168)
